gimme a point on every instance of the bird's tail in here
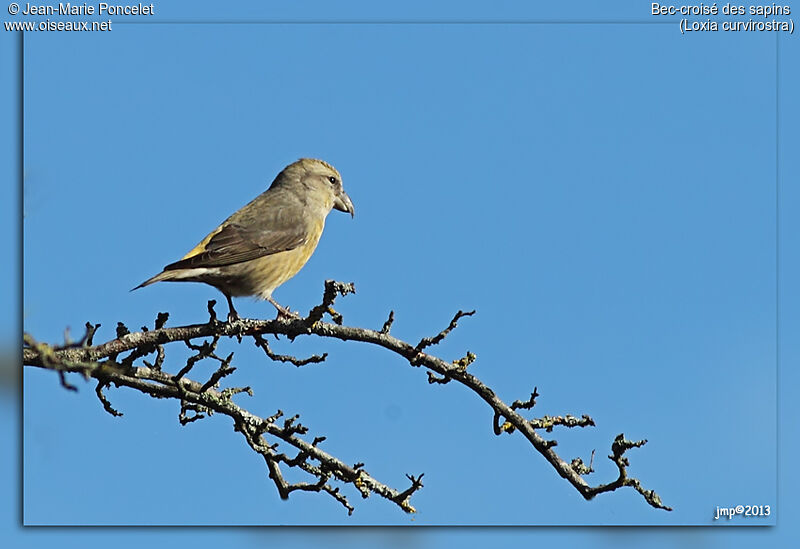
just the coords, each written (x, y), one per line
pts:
(164, 275)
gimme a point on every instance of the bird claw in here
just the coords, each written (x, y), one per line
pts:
(287, 314)
(284, 313)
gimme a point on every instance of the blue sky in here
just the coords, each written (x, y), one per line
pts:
(603, 194)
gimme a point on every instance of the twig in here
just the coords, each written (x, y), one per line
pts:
(87, 360)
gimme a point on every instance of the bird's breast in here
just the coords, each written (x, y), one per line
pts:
(271, 271)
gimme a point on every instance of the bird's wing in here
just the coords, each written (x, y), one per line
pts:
(235, 243)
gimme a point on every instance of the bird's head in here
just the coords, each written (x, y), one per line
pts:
(320, 182)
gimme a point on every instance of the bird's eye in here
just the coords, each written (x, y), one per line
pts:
(332, 179)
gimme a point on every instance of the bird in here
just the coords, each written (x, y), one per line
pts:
(268, 241)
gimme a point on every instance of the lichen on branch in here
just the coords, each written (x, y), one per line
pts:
(121, 362)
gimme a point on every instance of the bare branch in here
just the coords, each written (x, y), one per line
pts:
(104, 401)
(428, 341)
(405, 495)
(618, 449)
(64, 383)
(548, 422)
(433, 378)
(579, 467)
(526, 404)
(313, 359)
(332, 289)
(100, 361)
(198, 401)
(387, 326)
(91, 329)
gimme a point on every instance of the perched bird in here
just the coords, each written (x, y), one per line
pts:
(268, 241)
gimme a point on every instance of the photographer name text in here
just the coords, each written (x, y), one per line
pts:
(102, 8)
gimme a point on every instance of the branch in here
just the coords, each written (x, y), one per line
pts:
(203, 400)
(99, 361)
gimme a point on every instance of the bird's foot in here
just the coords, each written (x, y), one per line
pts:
(287, 314)
(284, 313)
(232, 314)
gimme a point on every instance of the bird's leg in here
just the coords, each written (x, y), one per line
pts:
(232, 314)
(283, 312)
